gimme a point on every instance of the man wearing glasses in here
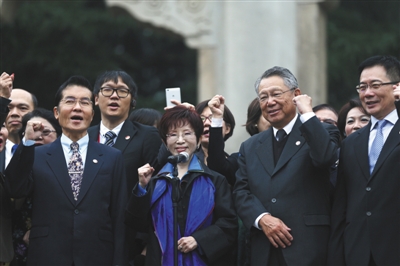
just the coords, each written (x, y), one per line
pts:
(78, 187)
(282, 185)
(366, 210)
(115, 94)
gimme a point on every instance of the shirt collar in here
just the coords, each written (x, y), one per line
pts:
(288, 128)
(104, 129)
(392, 117)
(83, 142)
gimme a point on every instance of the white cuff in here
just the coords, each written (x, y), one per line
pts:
(304, 117)
(259, 218)
(217, 122)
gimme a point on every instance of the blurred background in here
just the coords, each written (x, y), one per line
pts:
(45, 42)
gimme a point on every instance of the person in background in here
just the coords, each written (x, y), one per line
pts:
(326, 113)
(256, 122)
(282, 185)
(22, 102)
(146, 116)
(366, 209)
(22, 213)
(352, 117)
(78, 187)
(206, 217)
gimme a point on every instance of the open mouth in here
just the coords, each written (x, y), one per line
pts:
(77, 118)
(206, 132)
(113, 104)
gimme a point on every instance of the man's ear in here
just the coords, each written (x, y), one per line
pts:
(96, 100)
(55, 112)
(297, 92)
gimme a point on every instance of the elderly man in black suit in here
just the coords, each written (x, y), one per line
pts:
(366, 209)
(282, 186)
(78, 187)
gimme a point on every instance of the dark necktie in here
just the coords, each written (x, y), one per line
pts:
(280, 135)
(377, 145)
(75, 169)
(110, 138)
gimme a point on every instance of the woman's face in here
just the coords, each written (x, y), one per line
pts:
(48, 135)
(355, 120)
(182, 139)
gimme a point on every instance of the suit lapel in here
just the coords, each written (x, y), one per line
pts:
(391, 142)
(94, 161)
(293, 144)
(94, 132)
(57, 164)
(2, 160)
(265, 151)
(126, 134)
(361, 149)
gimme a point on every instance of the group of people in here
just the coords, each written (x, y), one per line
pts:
(309, 187)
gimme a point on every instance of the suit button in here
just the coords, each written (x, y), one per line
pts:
(368, 189)
(369, 213)
(76, 211)
(273, 200)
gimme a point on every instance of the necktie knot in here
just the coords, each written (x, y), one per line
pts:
(74, 146)
(381, 124)
(280, 135)
(110, 136)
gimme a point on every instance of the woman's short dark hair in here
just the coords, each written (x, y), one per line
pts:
(228, 117)
(343, 114)
(253, 116)
(43, 113)
(180, 116)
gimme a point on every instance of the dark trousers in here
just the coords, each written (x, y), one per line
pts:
(276, 257)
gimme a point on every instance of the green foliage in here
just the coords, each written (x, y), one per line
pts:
(50, 41)
(358, 30)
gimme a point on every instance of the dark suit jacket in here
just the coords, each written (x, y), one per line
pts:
(6, 248)
(89, 231)
(139, 145)
(366, 208)
(296, 190)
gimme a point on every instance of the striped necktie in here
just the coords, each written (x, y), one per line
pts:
(110, 136)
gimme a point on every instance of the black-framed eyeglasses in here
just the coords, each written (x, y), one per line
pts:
(71, 101)
(375, 85)
(264, 97)
(121, 92)
(47, 132)
(204, 118)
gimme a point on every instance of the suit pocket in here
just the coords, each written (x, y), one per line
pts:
(39, 232)
(317, 220)
(106, 235)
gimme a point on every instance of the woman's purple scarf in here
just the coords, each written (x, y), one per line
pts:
(201, 206)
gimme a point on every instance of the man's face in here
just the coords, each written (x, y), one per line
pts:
(114, 107)
(327, 116)
(74, 118)
(21, 104)
(377, 102)
(279, 111)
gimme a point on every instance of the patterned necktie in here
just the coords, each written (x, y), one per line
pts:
(377, 145)
(280, 135)
(110, 138)
(75, 169)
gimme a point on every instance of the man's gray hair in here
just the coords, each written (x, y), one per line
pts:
(289, 79)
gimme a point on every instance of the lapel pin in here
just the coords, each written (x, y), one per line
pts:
(127, 137)
(298, 143)
(95, 161)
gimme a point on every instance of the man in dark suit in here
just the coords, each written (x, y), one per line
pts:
(78, 188)
(282, 185)
(115, 94)
(366, 209)
(6, 247)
